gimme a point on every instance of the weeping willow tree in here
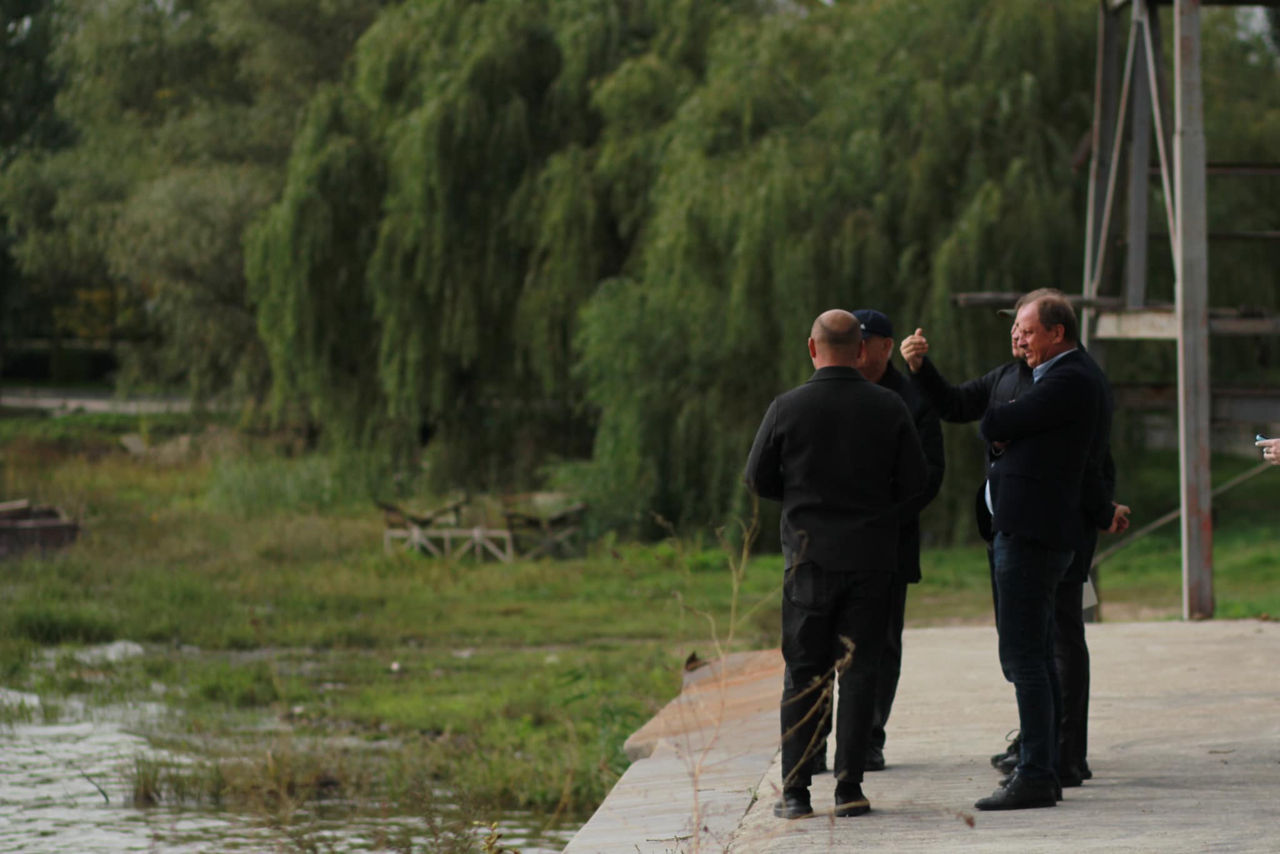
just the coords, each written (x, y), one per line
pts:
(866, 155)
(538, 230)
(450, 209)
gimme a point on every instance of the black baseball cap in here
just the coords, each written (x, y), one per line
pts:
(874, 323)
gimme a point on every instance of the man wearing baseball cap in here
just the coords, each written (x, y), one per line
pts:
(876, 366)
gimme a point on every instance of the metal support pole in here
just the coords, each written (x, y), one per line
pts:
(1106, 96)
(1135, 271)
(1193, 316)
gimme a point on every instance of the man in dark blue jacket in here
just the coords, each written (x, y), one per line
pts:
(843, 458)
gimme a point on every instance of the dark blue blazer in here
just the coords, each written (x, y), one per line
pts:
(1036, 484)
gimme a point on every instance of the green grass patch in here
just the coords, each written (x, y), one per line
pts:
(260, 584)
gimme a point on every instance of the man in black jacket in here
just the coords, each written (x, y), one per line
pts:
(1037, 488)
(875, 366)
(969, 402)
(843, 458)
(1098, 511)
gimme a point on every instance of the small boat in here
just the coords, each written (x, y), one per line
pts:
(25, 526)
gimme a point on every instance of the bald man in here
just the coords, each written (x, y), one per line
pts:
(842, 456)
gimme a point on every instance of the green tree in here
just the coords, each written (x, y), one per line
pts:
(505, 198)
(184, 115)
(869, 154)
(27, 122)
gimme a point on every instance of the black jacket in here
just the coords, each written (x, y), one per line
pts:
(969, 401)
(1036, 484)
(1098, 489)
(929, 430)
(842, 456)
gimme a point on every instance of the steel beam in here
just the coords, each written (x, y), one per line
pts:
(1230, 405)
(1157, 324)
(1192, 308)
(1135, 268)
(1107, 85)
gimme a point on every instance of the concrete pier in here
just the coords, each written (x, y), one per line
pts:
(1184, 746)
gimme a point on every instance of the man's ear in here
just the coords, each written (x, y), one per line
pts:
(813, 349)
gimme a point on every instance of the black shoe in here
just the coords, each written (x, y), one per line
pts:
(1014, 748)
(1007, 764)
(1085, 773)
(794, 803)
(1020, 794)
(874, 760)
(1057, 789)
(850, 801)
(1071, 777)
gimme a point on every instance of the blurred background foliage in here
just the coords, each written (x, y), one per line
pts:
(574, 243)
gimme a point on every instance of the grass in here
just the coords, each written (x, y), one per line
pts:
(259, 584)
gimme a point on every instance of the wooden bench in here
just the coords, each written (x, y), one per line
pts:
(538, 532)
(439, 533)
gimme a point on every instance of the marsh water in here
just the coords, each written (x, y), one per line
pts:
(65, 786)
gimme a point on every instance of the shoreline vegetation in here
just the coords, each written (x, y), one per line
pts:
(310, 673)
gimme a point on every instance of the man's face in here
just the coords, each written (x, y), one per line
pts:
(1015, 341)
(1039, 344)
(875, 355)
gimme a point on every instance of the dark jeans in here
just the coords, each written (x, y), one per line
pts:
(1071, 663)
(820, 610)
(1027, 576)
(890, 662)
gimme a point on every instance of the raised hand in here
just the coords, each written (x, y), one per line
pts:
(913, 348)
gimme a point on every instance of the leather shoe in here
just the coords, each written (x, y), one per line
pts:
(794, 803)
(1004, 781)
(1020, 794)
(874, 760)
(850, 801)
(1071, 777)
(1007, 763)
(1014, 748)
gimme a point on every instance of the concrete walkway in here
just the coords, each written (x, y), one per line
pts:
(1184, 746)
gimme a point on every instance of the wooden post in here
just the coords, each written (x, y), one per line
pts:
(1193, 315)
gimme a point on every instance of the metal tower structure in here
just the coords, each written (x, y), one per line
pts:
(1134, 103)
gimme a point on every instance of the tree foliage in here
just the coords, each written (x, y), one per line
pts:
(868, 155)
(487, 227)
(183, 115)
(585, 233)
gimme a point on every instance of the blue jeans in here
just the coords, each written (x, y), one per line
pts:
(1027, 573)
